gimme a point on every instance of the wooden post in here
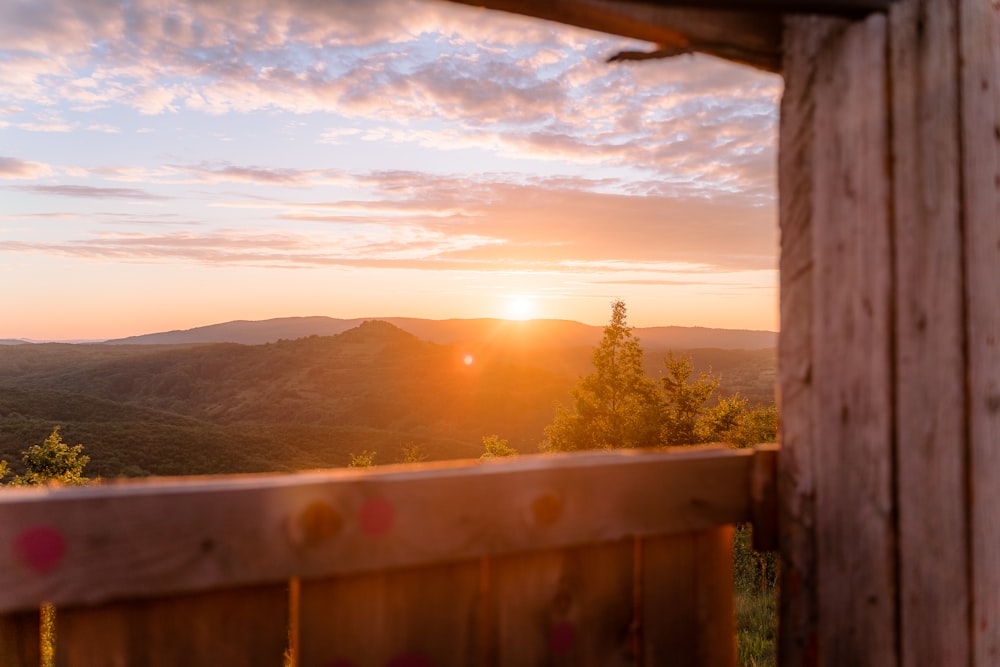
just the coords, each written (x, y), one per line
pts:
(890, 341)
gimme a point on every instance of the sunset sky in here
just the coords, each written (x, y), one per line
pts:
(166, 165)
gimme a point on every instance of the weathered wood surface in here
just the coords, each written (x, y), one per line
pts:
(749, 36)
(979, 37)
(929, 331)
(247, 626)
(421, 616)
(688, 612)
(804, 37)
(569, 607)
(19, 639)
(890, 343)
(87, 545)
(837, 386)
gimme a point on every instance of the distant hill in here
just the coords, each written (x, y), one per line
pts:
(309, 402)
(527, 333)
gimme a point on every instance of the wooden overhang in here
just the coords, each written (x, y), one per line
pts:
(743, 31)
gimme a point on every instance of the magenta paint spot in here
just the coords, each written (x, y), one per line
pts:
(563, 638)
(410, 660)
(377, 516)
(40, 548)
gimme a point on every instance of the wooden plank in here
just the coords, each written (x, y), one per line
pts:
(804, 37)
(19, 640)
(852, 352)
(219, 629)
(86, 545)
(979, 27)
(688, 606)
(568, 607)
(423, 616)
(929, 313)
(749, 36)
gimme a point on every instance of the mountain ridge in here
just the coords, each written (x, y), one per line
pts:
(533, 333)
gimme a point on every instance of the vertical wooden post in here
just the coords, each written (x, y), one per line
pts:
(979, 37)
(929, 311)
(890, 341)
(836, 377)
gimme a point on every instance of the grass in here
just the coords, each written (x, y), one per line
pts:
(755, 579)
(757, 624)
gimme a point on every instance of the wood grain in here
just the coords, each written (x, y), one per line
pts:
(749, 35)
(86, 545)
(19, 639)
(852, 353)
(247, 627)
(567, 607)
(979, 28)
(929, 314)
(804, 38)
(428, 616)
(688, 613)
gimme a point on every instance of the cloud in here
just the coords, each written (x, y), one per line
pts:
(520, 87)
(221, 172)
(11, 167)
(559, 221)
(87, 191)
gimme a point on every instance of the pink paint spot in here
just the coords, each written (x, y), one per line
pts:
(563, 638)
(410, 660)
(377, 516)
(40, 548)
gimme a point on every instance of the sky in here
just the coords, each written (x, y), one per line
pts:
(166, 165)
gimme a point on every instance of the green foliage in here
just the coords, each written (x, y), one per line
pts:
(684, 401)
(755, 576)
(617, 405)
(497, 447)
(413, 454)
(365, 459)
(757, 629)
(53, 461)
(718, 422)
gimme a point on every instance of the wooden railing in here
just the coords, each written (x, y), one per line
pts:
(609, 558)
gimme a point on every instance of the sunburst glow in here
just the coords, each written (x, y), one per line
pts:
(520, 308)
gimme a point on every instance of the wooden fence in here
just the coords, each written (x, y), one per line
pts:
(609, 558)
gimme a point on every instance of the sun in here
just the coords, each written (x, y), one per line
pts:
(520, 308)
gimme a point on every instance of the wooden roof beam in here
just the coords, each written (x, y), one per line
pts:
(743, 31)
(749, 37)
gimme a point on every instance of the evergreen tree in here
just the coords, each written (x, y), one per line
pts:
(684, 401)
(53, 461)
(497, 447)
(615, 406)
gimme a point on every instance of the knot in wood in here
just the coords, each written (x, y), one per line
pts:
(546, 509)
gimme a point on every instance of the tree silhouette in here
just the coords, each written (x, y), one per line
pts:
(615, 406)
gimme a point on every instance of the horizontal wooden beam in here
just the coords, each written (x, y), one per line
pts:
(748, 36)
(73, 546)
(743, 31)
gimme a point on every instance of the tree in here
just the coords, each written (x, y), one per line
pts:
(413, 454)
(734, 422)
(684, 400)
(365, 459)
(497, 447)
(615, 406)
(53, 461)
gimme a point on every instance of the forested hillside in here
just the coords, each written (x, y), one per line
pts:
(305, 403)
